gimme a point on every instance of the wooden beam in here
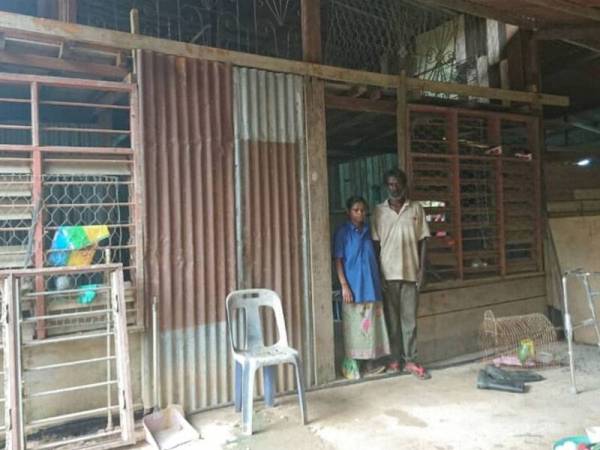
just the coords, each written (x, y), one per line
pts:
(571, 32)
(591, 46)
(569, 8)
(486, 92)
(570, 155)
(318, 230)
(311, 30)
(48, 63)
(360, 104)
(402, 122)
(67, 10)
(34, 26)
(480, 10)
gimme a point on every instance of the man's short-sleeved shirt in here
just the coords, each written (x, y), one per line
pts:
(399, 235)
(355, 247)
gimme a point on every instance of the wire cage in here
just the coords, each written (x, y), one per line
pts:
(528, 340)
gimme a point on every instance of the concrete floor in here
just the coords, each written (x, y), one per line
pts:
(401, 412)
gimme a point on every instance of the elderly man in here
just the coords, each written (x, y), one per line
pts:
(399, 229)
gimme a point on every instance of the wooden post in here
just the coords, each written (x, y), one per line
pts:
(67, 11)
(534, 133)
(134, 21)
(311, 30)
(402, 122)
(134, 28)
(452, 136)
(495, 138)
(318, 235)
(535, 130)
(13, 392)
(38, 199)
(319, 241)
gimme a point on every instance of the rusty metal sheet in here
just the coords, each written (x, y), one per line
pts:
(269, 124)
(188, 143)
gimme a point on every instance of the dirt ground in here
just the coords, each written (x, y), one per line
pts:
(401, 412)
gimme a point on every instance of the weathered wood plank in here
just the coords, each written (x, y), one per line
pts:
(402, 121)
(569, 8)
(319, 239)
(360, 104)
(64, 65)
(486, 92)
(483, 295)
(311, 30)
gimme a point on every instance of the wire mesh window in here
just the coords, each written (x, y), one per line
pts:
(68, 192)
(266, 27)
(477, 176)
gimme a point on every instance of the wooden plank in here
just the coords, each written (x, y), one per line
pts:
(486, 92)
(67, 10)
(457, 333)
(121, 342)
(99, 85)
(452, 136)
(319, 239)
(310, 11)
(571, 32)
(45, 62)
(504, 79)
(402, 122)
(569, 8)
(586, 194)
(479, 296)
(360, 104)
(35, 26)
(479, 10)
(13, 391)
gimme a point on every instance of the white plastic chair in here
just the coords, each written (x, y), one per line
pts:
(250, 352)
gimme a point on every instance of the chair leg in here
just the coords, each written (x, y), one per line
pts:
(247, 397)
(301, 389)
(239, 382)
(270, 376)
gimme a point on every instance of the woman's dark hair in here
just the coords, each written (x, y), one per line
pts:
(396, 173)
(353, 200)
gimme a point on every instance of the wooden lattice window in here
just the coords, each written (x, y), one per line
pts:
(477, 174)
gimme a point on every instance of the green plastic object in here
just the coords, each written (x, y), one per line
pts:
(88, 295)
(350, 369)
(574, 439)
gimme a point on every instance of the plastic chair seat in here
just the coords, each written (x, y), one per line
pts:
(268, 356)
(256, 354)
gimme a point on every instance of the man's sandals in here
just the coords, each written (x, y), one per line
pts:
(417, 370)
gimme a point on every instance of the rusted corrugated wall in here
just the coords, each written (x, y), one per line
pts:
(269, 128)
(188, 145)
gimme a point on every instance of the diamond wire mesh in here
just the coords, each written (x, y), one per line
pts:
(68, 200)
(390, 35)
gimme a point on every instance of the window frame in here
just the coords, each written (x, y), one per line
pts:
(502, 165)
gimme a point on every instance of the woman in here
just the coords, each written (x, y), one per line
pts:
(365, 334)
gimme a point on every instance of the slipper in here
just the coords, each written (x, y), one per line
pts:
(417, 370)
(376, 370)
(394, 366)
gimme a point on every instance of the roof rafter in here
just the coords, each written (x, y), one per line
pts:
(570, 8)
(479, 10)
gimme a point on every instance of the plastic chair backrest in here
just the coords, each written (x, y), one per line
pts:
(250, 300)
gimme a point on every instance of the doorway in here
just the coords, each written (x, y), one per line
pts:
(361, 147)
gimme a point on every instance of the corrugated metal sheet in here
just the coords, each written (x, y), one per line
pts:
(189, 228)
(269, 127)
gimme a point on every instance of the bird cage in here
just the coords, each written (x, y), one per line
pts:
(522, 341)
